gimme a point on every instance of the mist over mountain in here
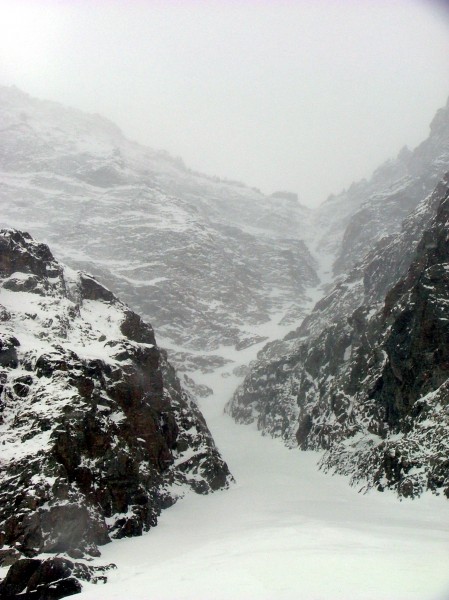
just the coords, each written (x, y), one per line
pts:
(370, 210)
(325, 328)
(364, 376)
(205, 260)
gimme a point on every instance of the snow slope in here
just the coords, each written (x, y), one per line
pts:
(215, 265)
(197, 256)
(284, 531)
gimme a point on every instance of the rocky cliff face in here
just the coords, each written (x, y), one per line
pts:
(365, 377)
(400, 369)
(355, 220)
(206, 260)
(97, 434)
(212, 260)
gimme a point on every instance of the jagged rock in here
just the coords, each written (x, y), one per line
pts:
(97, 434)
(56, 573)
(199, 390)
(250, 341)
(17, 578)
(8, 352)
(366, 375)
(4, 314)
(90, 289)
(8, 556)
(203, 363)
(352, 222)
(27, 259)
(241, 371)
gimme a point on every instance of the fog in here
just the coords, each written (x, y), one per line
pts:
(301, 96)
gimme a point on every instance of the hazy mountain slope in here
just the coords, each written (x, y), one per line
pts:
(212, 260)
(97, 435)
(204, 259)
(369, 210)
(318, 388)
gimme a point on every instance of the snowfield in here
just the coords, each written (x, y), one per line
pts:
(285, 531)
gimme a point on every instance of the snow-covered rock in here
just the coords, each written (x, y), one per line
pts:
(96, 434)
(210, 261)
(353, 221)
(365, 375)
(206, 260)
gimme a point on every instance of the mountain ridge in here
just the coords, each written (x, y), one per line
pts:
(87, 396)
(317, 388)
(223, 257)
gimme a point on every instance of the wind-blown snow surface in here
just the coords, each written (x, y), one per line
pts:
(285, 531)
(205, 260)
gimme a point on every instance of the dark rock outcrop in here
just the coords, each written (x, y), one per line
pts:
(97, 434)
(365, 377)
(49, 579)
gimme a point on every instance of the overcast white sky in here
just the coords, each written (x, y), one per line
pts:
(303, 95)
